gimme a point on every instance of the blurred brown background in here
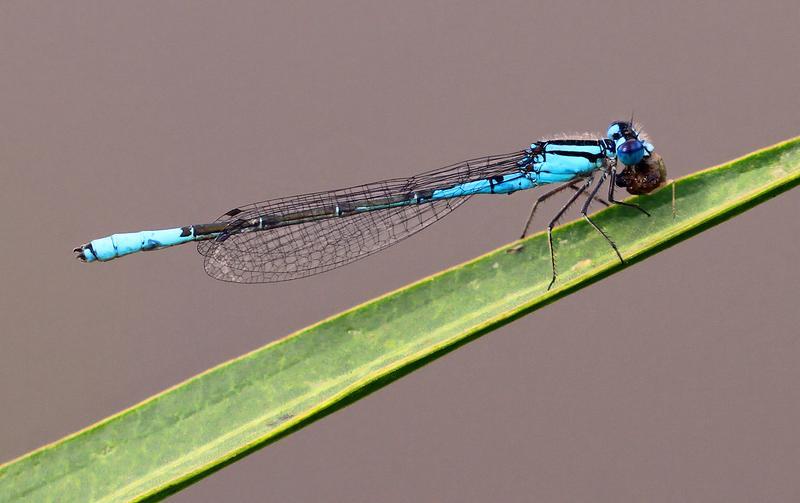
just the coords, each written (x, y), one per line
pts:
(675, 380)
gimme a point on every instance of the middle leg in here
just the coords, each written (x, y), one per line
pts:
(585, 209)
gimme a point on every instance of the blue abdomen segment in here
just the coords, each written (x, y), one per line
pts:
(118, 245)
(501, 184)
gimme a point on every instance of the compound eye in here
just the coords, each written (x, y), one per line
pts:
(631, 152)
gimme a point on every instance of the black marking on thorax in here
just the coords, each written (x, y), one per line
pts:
(593, 158)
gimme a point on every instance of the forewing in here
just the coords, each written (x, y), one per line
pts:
(297, 251)
(325, 241)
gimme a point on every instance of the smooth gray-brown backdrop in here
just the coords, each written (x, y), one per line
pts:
(674, 380)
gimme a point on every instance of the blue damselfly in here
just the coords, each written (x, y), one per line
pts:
(294, 237)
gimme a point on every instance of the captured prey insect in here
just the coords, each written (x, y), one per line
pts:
(294, 237)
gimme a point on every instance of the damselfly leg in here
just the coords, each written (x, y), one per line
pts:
(544, 197)
(591, 222)
(592, 196)
(554, 221)
(611, 199)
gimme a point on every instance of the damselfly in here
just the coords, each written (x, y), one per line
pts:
(294, 237)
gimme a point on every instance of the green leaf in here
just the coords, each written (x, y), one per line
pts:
(209, 421)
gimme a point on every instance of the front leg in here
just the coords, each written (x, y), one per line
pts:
(611, 186)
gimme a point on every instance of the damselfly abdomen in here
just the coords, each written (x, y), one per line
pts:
(294, 237)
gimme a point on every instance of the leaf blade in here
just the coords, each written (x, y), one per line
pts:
(242, 405)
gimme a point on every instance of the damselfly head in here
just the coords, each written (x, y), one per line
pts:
(630, 149)
(643, 177)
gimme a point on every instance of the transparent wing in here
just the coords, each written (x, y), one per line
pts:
(297, 251)
(294, 237)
